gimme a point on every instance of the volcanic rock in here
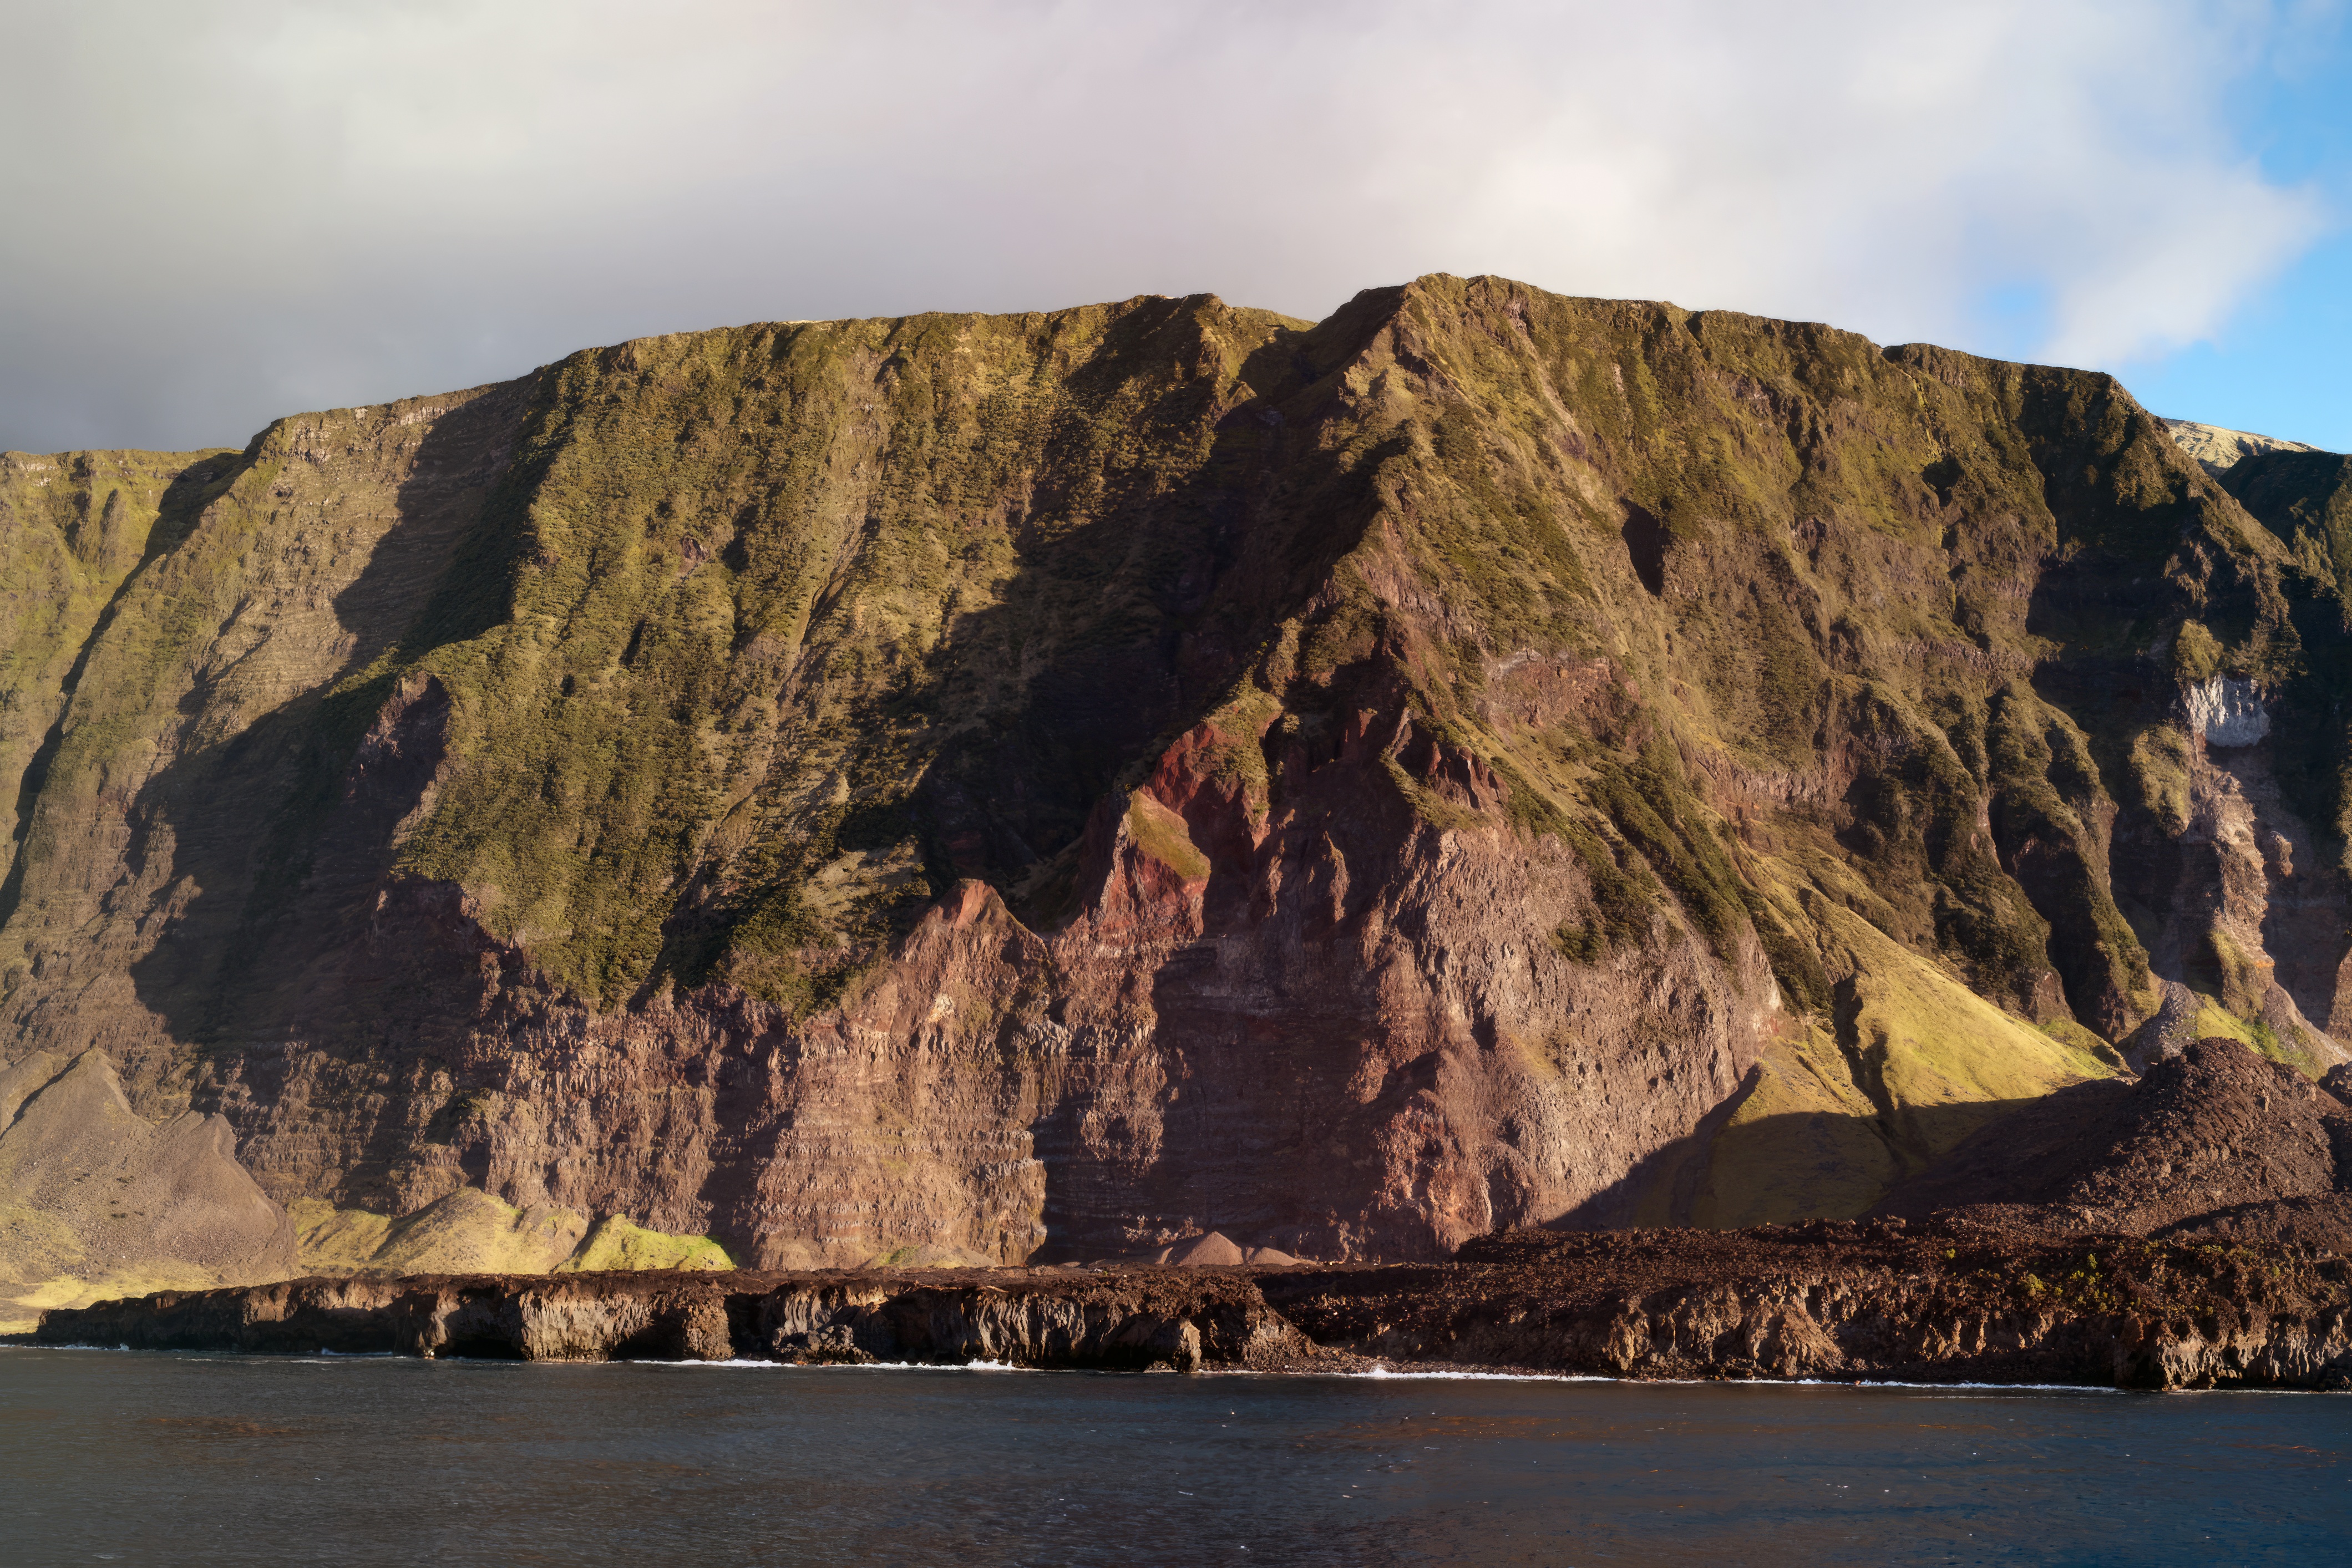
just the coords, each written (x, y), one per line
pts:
(2216, 1128)
(1019, 785)
(1949, 1301)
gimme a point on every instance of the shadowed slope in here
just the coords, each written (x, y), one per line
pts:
(2215, 1128)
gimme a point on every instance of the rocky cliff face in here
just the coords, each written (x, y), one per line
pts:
(1950, 1303)
(1047, 785)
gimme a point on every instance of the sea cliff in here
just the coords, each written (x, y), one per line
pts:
(1940, 1302)
(1042, 787)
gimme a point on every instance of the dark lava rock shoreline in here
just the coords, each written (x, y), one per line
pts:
(1947, 1301)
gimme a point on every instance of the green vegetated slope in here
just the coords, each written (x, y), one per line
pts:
(1906, 628)
(743, 646)
(694, 618)
(1901, 636)
(1851, 551)
(731, 597)
(73, 527)
(2306, 499)
(765, 583)
(202, 728)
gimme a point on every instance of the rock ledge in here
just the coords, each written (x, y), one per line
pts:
(1947, 1301)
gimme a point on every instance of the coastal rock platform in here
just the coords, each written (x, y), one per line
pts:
(1949, 1299)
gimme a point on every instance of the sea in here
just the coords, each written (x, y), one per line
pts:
(139, 1458)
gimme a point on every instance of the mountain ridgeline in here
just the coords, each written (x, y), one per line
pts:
(1040, 786)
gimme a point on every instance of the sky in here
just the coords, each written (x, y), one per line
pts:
(216, 212)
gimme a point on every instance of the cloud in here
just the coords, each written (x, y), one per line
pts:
(225, 210)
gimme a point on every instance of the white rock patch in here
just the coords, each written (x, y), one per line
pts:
(2227, 711)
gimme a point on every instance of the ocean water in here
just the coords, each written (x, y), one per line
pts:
(138, 1459)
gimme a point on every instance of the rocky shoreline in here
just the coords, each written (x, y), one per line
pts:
(1949, 1300)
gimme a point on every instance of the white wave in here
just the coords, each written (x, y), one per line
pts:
(1422, 1374)
(742, 1364)
(1855, 1385)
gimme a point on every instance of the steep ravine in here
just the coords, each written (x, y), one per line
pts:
(1045, 786)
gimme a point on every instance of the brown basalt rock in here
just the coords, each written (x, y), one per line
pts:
(1950, 1303)
(1131, 1321)
(2212, 1137)
(1940, 1304)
